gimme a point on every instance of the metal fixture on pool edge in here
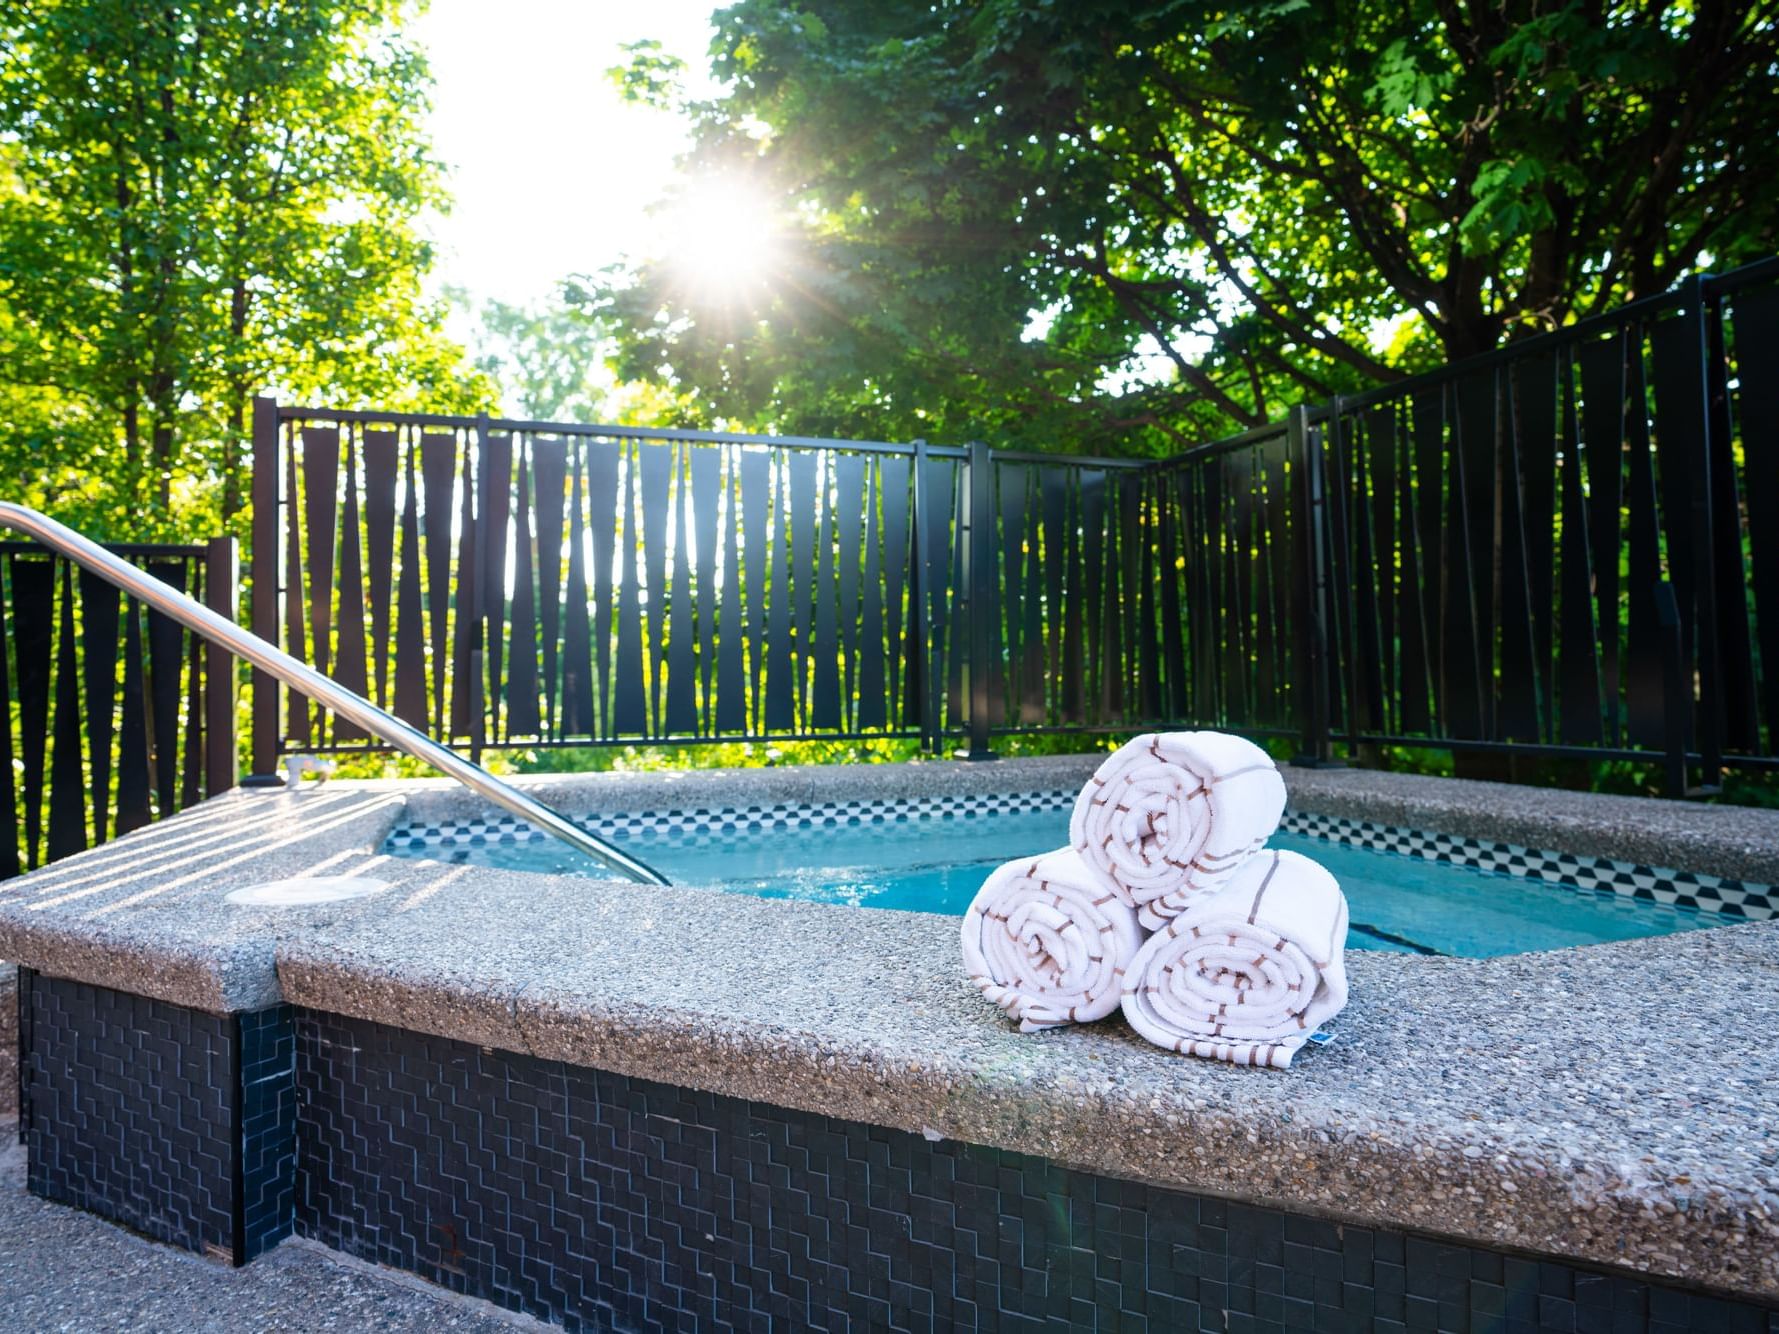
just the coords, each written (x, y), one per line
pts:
(324, 690)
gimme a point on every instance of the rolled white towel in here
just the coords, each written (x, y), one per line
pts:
(1248, 973)
(1048, 943)
(1170, 815)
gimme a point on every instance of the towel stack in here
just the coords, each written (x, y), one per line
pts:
(1169, 905)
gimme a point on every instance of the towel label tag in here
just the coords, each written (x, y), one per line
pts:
(1321, 1037)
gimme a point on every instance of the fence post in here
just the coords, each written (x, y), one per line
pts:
(1675, 694)
(979, 584)
(1710, 660)
(480, 573)
(268, 532)
(222, 594)
(1311, 550)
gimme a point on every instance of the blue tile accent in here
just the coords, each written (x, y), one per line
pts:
(267, 1190)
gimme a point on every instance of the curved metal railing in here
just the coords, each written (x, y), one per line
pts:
(305, 680)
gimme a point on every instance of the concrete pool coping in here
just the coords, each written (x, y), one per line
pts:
(1613, 1105)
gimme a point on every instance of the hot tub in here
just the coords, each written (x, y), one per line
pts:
(611, 1105)
(1409, 891)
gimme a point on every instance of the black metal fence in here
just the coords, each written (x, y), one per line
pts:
(509, 583)
(1554, 549)
(114, 714)
(1566, 547)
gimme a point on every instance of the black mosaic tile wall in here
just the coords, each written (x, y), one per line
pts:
(602, 1202)
(174, 1122)
(131, 1109)
(267, 1190)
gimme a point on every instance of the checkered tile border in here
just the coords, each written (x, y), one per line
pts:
(1657, 884)
(706, 826)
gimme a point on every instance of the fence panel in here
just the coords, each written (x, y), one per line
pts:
(1133, 595)
(110, 721)
(529, 585)
(1505, 534)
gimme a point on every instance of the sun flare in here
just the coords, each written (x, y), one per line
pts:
(721, 236)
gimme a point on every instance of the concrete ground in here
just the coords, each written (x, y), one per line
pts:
(66, 1271)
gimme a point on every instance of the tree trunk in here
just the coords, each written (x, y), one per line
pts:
(131, 395)
(234, 448)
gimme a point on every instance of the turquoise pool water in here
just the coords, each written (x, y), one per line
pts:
(935, 865)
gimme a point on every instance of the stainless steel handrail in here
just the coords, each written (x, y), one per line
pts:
(305, 680)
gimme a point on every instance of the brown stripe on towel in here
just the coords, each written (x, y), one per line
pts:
(1260, 893)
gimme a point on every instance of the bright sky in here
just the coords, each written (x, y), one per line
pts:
(551, 169)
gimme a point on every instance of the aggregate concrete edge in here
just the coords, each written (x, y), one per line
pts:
(1388, 1128)
(144, 914)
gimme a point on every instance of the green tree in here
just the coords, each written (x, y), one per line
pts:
(546, 359)
(1132, 224)
(199, 201)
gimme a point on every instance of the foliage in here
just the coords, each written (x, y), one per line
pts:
(200, 201)
(722, 755)
(1130, 225)
(546, 359)
(1638, 778)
